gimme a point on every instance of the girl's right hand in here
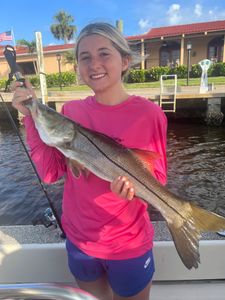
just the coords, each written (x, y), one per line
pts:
(21, 94)
(123, 188)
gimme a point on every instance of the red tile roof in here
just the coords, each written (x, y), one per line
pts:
(65, 47)
(181, 29)
(51, 48)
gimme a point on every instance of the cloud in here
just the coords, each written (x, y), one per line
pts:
(173, 13)
(216, 14)
(198, 10)
(176, 12)
(144, 24)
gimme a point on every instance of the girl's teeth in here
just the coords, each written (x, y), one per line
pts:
(97, 76)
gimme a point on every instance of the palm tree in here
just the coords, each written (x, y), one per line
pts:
(69, 58)
(31, 46)
(63, 30)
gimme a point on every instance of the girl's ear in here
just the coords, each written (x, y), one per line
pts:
(125, 62)
(78, 77)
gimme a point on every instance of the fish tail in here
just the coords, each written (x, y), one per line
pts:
(186, 235)
(207, 220)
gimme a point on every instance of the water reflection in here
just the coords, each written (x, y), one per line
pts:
(196, 161)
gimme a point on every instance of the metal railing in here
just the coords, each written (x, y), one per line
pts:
(42, 291)
(168, 105)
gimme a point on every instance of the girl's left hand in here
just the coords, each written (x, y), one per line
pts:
(123, 188)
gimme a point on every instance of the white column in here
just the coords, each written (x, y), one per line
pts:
(224, 48)
(182, 50)
(142, 54)
(41, 69)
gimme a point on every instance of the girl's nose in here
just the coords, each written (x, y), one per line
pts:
(95, 62)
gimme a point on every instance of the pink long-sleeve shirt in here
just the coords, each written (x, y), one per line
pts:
(97, 221)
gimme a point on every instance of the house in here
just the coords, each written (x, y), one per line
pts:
(53, 60)
(169, 46)
(163, 46)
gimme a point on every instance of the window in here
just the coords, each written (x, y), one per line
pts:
(215, 49)
(170, 54)
(28, 68)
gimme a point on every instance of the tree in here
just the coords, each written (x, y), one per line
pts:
(69, 58)
(63, 30)
(31, 46)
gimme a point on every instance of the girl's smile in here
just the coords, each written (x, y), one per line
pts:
(97, 76)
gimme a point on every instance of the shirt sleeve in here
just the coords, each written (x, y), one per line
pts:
(49, 162)
(159, 146)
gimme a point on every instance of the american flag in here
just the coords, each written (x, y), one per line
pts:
(6, 36)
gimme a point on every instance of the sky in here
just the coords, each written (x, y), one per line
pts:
(139, 16)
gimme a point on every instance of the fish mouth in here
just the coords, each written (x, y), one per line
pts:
(97, 76)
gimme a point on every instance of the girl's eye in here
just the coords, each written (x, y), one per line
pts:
(104, 54)
(85, 57)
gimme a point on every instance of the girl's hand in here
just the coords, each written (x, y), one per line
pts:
(123, 188)
(21, 95)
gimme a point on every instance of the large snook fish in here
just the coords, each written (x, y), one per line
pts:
(108, 159)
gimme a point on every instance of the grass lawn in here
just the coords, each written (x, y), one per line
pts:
(155, 84)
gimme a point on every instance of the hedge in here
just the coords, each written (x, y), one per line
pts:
(154, 73)
(2, 83)
(133, 76)
(52, 80)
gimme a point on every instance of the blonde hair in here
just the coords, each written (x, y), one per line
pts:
(110, 32)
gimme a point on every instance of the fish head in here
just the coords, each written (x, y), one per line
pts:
(53, 128)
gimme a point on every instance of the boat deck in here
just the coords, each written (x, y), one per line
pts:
(31, 254)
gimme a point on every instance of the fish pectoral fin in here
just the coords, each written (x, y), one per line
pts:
(74, 167)
(77, 168)
(186, 236)
(147, 157)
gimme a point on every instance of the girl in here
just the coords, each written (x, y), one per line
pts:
(109, 233)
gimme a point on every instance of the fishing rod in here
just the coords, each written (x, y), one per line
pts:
(50, 214)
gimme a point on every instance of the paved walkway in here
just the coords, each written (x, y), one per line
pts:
(145, 92)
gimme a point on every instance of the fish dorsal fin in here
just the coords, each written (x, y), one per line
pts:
(147, 157)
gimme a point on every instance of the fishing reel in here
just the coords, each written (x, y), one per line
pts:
(48, 219)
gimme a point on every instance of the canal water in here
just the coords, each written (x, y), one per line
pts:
(196, 171)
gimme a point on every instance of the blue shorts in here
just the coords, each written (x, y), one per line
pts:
(126, 277)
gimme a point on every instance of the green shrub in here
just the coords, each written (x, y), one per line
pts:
(2, 83)
(34, 80)
(136, 76)
(217, 69)
(181, 71)
(68, 78)
(53, 80)
(154, 73)
(196, 71)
